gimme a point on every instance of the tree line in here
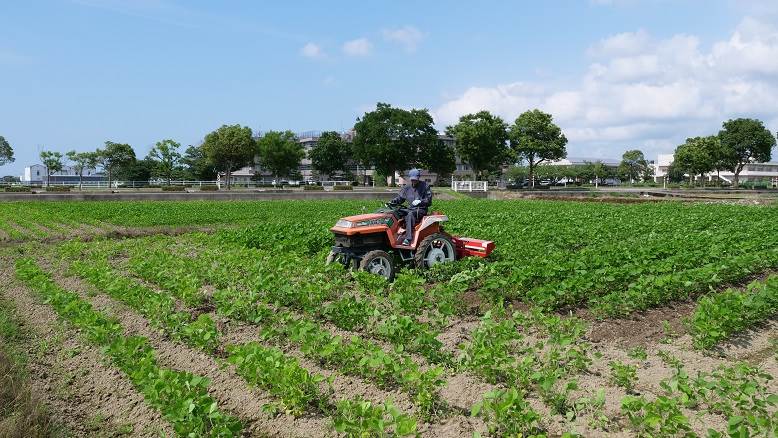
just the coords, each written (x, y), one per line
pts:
(740, 142)
(391, 139)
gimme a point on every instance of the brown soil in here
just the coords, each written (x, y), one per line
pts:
(458, 333)
(344, 386)
(232, 393)
(472, 302)
(458, 395)
(640, 328)
(88, 233)
(73, 379)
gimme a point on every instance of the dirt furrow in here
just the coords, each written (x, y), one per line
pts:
(460, 395)
(231, 391)
(74, 379)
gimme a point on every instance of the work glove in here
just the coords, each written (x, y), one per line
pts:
(416, 202)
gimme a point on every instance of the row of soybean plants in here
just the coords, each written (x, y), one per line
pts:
(184, 264)
(186, 213)
(542, 366)
(185, 277)
(718, 316)
(304, 284)
(181, 397)
(740, 392)
(621, 258)
(526, 352)
(297, 390)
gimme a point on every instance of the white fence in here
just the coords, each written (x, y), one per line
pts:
(96, 185)
(469, 186)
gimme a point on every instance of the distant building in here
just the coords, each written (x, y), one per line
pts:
(36, 174)
(754, 172)
(579, 161)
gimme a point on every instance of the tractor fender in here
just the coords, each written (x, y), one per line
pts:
(430, 219)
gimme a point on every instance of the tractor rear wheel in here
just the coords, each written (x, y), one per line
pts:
(435, 248)
(378, 262)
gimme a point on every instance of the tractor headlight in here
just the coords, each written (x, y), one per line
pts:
(342, 223)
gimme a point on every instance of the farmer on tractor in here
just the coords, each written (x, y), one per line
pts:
(419, 196)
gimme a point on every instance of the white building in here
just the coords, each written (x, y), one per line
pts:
(755, 172)
(36, 174)
(580, 161)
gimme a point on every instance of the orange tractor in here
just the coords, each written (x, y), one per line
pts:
(373, 242)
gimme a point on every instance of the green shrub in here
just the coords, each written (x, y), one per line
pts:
(213, 188)
(755, 185)
(343, 188)
(173, 188)
(58, 188)
(313, 188)
(17, 189)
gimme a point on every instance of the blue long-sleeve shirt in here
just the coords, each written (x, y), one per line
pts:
(421, 192)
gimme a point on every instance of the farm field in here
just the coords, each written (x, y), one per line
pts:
(221, 319)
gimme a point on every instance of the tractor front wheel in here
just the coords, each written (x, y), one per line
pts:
(435, 248)
(378, 263)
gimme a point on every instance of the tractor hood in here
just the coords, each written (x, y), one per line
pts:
(365, 220)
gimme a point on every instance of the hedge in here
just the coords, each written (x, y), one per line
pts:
(17, 189)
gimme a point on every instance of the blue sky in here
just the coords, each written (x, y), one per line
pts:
(616, 74)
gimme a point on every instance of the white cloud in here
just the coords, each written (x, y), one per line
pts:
(312, 50)
(752, 48)
(627, 43)
(357, 47)
(646, 92)
(409, 37)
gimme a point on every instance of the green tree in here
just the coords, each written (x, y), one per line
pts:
(674, 173)
(229, 148)
(536, 139)
(196, 165)
(723, 158)
(280, 152)
(6, 152)
(166, 158)
(81, 161)
(745, 141)
(634, 165)
(694, 157)
(139, 170)
(330, 154)
(390, 138)
(115, 157)
(481, 141)
(52, 161)
(438, 157)
(597, 171)
(517, 174)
